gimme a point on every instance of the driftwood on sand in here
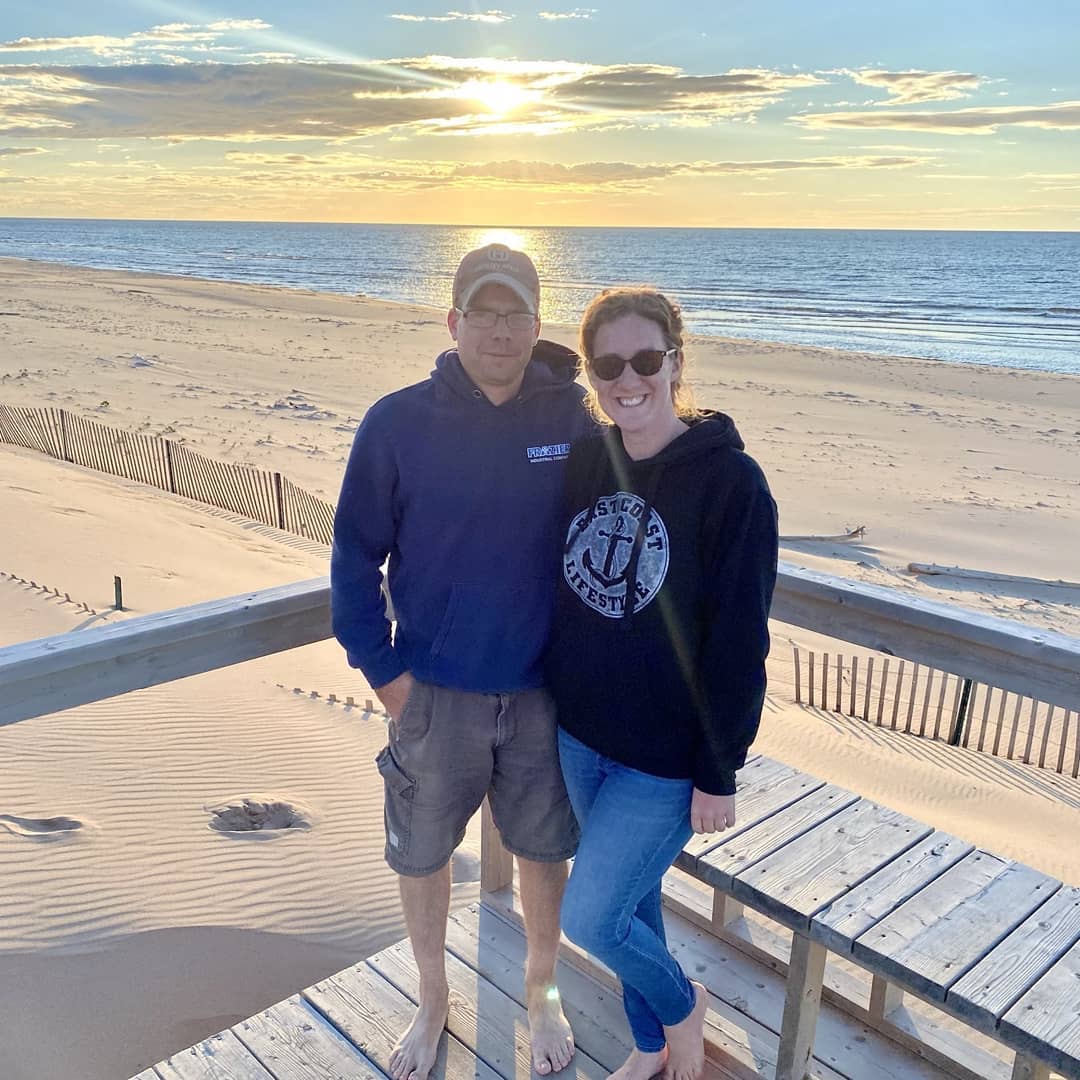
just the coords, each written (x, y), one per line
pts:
(855, 534)
(988, 575)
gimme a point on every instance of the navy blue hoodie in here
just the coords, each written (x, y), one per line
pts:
(666, 676)
(464, 497)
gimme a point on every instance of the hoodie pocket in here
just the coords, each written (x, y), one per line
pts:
(398, 804)
(493, 632)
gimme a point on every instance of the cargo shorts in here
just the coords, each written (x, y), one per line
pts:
(450, 748)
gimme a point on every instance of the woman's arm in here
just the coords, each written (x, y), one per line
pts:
(740, 549)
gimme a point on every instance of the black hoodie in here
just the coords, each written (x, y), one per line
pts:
(669, 679)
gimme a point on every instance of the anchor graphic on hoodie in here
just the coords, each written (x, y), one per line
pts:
(614, 538)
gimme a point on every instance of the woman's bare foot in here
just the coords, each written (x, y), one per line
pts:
(641, 1065)
(686, 1041)
(550, 1037)
(417, 1049)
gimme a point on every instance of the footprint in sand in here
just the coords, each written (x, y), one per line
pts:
(53, 828)
(256, 816)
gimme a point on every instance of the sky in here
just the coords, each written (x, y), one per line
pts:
(954, 114)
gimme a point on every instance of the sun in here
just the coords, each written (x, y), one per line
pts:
(497, 95)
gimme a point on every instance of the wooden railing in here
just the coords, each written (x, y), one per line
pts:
(57, 673)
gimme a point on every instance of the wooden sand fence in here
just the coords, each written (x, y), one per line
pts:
(263, 496)
(916, 699)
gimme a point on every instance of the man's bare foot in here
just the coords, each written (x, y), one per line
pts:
(686, 1041)
(417, 1049)
(550, 1037)
(641, 1066)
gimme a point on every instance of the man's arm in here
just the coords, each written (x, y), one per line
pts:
(365, 526)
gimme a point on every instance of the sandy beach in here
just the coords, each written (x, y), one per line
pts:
(119, 891)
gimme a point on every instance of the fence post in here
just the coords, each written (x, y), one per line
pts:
(961, 715)
(169, 466)
(118, 593)
(64, 435)
(280, 497)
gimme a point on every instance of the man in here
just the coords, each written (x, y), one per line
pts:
(459, 480)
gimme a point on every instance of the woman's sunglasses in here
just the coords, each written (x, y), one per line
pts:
(645, 362)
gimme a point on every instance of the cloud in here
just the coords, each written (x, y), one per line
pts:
(648, 88)
(915, 87)
(1060, 116)
(577, 13)
(21, 151)
(590, 176)
(240, 24)
(1052, 181)
(493, 16)
(430, 95)
(167, 35)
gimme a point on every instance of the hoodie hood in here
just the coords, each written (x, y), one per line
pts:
(551, 367)
(708, 431)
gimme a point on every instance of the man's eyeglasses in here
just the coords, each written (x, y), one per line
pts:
(484, 319)
(645, 362)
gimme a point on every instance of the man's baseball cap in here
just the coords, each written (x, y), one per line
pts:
(497, 264)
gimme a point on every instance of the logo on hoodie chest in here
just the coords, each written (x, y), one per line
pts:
(550, 452)
(599, 554)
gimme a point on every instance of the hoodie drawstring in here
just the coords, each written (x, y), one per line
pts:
(639, 540)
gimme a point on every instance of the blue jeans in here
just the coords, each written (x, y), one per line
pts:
(632, 827)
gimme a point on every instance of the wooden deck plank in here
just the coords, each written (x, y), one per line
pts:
(221, 1057)
(736, 1040)
(851, 915)
(1000, 979)
(591, 1000)
(373, 1014)
(936, 937)
(294, 1041)
(745, 1014)
(763, 787)
(754, 1000)
(484, 941)
(730, 856)
(489, 1022)
(1045, 1022)
(919, 1028)
(812, 871)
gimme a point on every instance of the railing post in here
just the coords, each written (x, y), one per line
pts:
(725, 909)
(806, 971)
(884, 997)
(1028, 1068)
(496, 863)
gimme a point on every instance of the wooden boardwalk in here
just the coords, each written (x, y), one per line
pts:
(989, 942)
(346, 1026)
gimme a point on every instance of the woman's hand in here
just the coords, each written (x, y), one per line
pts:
(711, 813)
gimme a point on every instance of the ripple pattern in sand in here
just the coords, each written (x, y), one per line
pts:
(144, 769)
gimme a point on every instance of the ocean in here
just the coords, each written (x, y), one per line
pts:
(1001, 298)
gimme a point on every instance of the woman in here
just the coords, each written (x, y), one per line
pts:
(657, 665)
